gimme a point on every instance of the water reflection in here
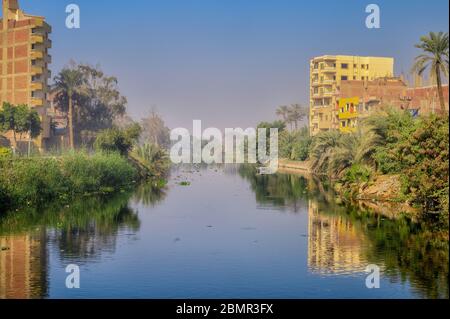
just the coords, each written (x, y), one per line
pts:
(82, 231)
(335, 245)
(343, 239)
(23, 266)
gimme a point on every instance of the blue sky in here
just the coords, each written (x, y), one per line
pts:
(229, 63)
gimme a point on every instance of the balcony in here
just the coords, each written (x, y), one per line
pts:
(37, 55)
(329, 69)
(36, 70)
(328, 93)
(348, 115)
(37, 39)
(35, 86)
(37, 102)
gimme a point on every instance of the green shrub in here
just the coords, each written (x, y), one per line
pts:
(295, 145)
(38, 180)
(426, 161)
(153, 157)
(117, 140)
(357, 173)
(92, 173)
(5, 152)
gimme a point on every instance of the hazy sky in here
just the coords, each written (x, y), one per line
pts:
(228, 63)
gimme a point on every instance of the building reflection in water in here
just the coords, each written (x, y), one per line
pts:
(334, 243)
(23, 266)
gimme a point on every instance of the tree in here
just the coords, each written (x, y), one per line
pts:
(292, 114)
(20, 119)
(8, 120)
(69, 82)
(32, 125)
(98, 100)
(154, 131)
(283, 111)
(297, 113)
(435, 58)
(117, 140)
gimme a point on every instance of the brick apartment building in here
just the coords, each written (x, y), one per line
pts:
(24, 60)
(356, 99)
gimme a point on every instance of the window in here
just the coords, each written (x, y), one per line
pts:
(363, 66)
(33, 46)
(354, 77)
(344, 78)
(367, 66)
(334, 77)
(344, 65)
(344, 124)
(355, 66)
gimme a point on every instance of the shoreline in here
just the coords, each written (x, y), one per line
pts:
(381, 194)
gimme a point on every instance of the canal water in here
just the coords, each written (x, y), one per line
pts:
(218, 232)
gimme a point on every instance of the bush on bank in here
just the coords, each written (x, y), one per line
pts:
(388, 142)
(38, 180)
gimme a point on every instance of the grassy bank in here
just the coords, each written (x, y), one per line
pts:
(39, 180)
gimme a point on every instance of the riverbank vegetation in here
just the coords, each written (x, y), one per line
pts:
(388, 142)
(107, 151)
(117, 162)
(39, 180)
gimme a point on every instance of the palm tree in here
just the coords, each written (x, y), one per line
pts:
(436, 57)
(68, 82)
(292, 114)
(322, 149)
(283, 111)
(296, 114)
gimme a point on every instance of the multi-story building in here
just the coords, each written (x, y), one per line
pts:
(326, 74)
(24, 60)
(357, 99)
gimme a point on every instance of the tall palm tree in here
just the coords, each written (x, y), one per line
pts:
(297, 113)
(435, 57)
(283, 111)
(68, 82)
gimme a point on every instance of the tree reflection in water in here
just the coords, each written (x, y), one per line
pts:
(82, 231)
(344, 238)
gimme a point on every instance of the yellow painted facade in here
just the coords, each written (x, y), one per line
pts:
(326, 74)
(348, 113)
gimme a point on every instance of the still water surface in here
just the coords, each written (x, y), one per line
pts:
(229, 234)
